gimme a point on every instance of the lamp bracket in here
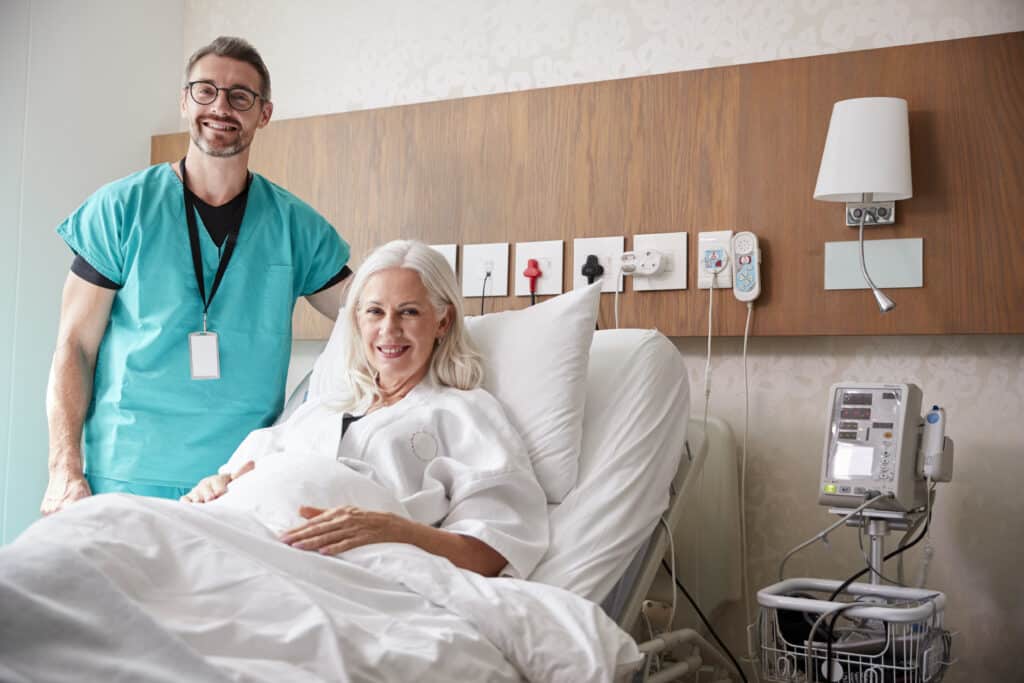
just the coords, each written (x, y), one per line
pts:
(874, 213)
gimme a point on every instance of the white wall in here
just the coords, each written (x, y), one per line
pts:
(14, 22)
(331, 57)
(85, 85)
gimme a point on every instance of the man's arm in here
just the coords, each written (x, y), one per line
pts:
(328, 301)
(85, 311)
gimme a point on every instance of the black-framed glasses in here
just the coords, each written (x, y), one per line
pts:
(240, 98)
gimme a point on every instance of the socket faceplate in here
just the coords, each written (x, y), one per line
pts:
(672, 245)
(475, 260)
(549, 258)
(608, 250)
(713, 253)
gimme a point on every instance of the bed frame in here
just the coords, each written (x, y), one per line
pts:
(706, 452)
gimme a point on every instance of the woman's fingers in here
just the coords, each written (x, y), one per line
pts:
(208, 489)
(247, 467)
(320, 541)
(219, 485)
(311, 529)
(334, 531)
(320, 521)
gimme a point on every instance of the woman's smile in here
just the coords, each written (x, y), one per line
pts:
(391, 351)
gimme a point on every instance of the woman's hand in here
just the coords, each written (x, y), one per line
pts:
(215, 485)
(339, 529)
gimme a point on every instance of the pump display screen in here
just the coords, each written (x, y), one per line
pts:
(852, 461)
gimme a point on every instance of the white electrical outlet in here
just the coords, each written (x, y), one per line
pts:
(714, 258)
(448, 251)
(549, 260)
(608, 251)
(477, 261)
(672, 246)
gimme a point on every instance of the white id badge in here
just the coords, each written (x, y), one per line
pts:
(204, 355)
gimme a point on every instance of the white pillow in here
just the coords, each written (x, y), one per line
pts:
(326, 377)
(637, 405)
(535, 364)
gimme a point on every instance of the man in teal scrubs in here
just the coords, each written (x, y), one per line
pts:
(175, 329)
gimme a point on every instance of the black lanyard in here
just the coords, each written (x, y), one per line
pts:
(193, 240)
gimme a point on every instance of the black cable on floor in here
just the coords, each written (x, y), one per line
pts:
(706, 623)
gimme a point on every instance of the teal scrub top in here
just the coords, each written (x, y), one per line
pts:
(149, 421)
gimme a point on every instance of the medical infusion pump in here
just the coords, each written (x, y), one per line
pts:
(873, 439)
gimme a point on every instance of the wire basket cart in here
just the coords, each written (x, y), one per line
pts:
(868, 633)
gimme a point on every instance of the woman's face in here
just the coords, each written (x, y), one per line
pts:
(398, 326)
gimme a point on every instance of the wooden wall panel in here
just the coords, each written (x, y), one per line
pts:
(966, 100)
(727, 148)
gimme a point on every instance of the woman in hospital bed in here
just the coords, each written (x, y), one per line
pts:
(414, 453)
(414, 463)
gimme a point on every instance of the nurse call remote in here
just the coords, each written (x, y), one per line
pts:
(746, 283)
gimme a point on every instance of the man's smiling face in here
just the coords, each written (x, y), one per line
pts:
(217, 128)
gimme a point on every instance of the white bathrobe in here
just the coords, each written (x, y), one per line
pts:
(440, 456)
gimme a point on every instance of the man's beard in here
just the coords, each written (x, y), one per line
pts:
(238, 147)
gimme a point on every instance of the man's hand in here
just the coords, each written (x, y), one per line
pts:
(215, 486)
(62, 490)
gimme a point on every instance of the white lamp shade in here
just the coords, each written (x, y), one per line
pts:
(867, 151)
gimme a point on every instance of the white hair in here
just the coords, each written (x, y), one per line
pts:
(454, 362)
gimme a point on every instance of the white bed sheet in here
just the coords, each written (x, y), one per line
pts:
(126, 588)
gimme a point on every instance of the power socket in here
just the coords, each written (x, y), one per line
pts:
(714, 259)
(608, 252)
(549, 259)
(644, 263)
(672, 247)
(477, 261)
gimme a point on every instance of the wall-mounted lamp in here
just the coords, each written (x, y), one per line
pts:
(866, 163)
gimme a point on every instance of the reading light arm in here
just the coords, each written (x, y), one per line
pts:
(884, 303)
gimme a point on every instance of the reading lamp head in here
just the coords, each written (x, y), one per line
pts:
(867, 160)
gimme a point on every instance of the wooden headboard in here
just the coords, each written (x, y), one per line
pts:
(726, 148)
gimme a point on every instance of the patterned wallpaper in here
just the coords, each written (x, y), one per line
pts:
(328, 56)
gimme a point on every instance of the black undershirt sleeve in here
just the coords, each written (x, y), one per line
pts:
(342, 274)
(84, 270)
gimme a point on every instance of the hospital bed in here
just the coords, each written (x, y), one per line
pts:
(263, 612)
(607, 539)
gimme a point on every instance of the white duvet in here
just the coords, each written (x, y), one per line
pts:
(120, 588)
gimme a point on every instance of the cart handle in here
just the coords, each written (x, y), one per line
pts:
(777, 596)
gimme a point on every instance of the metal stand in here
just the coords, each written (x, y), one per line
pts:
(879, 524)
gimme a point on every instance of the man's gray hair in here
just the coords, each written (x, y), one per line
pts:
(234, 48)
(455, 361)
